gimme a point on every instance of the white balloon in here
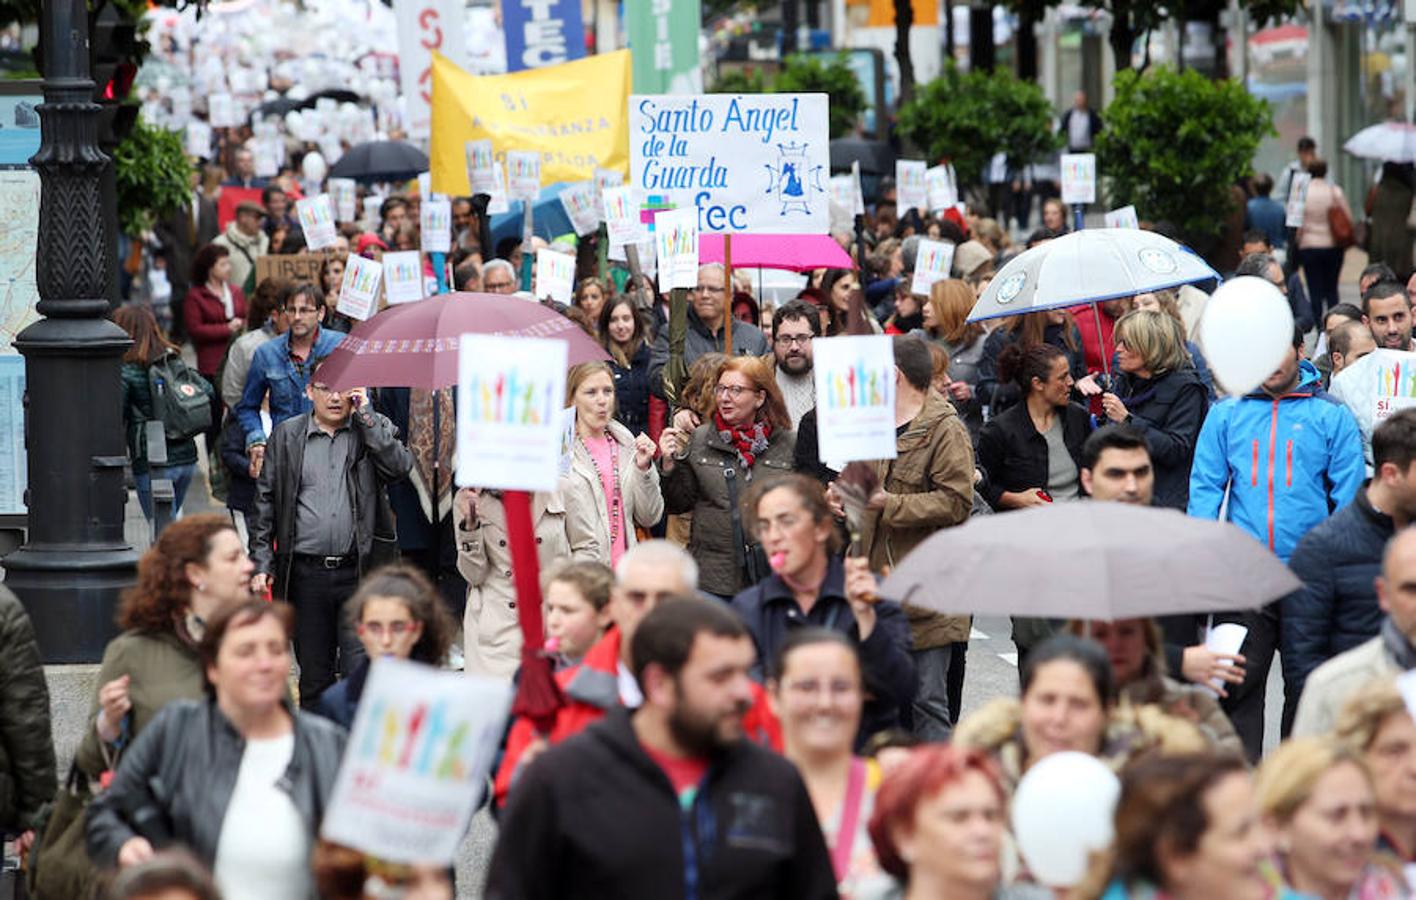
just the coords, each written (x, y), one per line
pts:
(1246, 329)
(1062, 813)
(313, 167)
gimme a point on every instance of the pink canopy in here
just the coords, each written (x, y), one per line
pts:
(797, 252)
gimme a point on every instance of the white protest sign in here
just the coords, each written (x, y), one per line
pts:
(746, 163)
(198, 139)
(1125, 217)
(317, 219)
(416, 763)
(555, 275)
(499, 202)
(568, 442)
(510, 392)
(911, 188)
(582, 206)
(604, 180)
(523, 174)
(222, 111)
(479, 166)
(676, 245)
(425, 26)
(359, 292)
(1078, 178)
(403, 276)
(855, 397)
(344, 194)
(435, 225)
(942, 189)
(425, 185)
(648, 262)
(372, 212)
(622, 219)
(1297, 199)
(932, 263)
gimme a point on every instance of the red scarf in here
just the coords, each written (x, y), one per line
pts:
(749, 440)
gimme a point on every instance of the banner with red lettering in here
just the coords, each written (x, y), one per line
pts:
(425, 26)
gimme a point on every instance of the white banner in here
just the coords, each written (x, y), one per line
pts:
(932, 263)
(435, 225)
(425, 26)
(855, 397)
(317, 219)
(582, 206)
(1078, 178)
(747, 163)
(911, 186)
(403, 276)
(510, 393)
(676, 246)
(555, 275)
(942, 187)
(359, 292)
(523, 174)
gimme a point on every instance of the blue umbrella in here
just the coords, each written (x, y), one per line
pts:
(550, 219)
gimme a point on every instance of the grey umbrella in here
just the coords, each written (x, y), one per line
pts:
(1090, 560)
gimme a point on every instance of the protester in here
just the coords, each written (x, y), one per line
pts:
(1257, 260)
(1053, 327)
(1097, 326)
(1391, 652)
(644, 578)
(624, 335)
(706, 316)
(838, 285)
(393, 215)
(1336, 317)
(1318, 799)
(1158, 392)
(280, 370)
(1138, 666)
(946, 322)
(1376, 722)
(320, 505)
(1187, 826)
(1339, 562)
(1348, 343)
(811, 586)
(499, 277)
(26, 742)
(749, 436)
(1309, 463)
(909, 312)
(1264, 213)
(1029, 453)
(244, 777)
(678, 761)
(1307, 152)
(817, 689)
(342, 873)
(1166, 301)
(1069, 703)
(1318, 251)
(1389, 209)
(590, 296)
(169, 875)
(397, 614)
(577, 609)
(266, 318)
(331, 279)
(150, 347)
(1386, 309)
(612, 474)
(794, 325)
(246, 242)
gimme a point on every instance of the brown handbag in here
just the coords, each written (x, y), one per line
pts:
(1340, 224)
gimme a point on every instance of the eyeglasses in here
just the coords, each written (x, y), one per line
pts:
(303, 311)
(495, 286)
(319, 388)
(709, 289)
(378, 629)
(787, 340)
(733, 390)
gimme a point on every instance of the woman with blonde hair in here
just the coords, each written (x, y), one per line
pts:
(709, 470)
(1317, 797)
(1376, 724)
(612, 470)
(1157, 391)
(1167, 300)
(946, 322)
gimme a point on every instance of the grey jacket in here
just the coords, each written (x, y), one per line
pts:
(696, 484)
(748, 340)
(378, 458)
(175, 782)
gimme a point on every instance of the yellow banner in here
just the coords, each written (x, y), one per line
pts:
(576, 115)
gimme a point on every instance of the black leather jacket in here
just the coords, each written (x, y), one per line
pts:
(174, 783)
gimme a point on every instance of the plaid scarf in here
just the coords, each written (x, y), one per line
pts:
(749, 440)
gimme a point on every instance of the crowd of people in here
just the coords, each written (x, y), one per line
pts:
(714, 620)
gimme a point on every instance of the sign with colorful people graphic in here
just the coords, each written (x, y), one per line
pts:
(510, 393)
(855, 398)
(747, 163)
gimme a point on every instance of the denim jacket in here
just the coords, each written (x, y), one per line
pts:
(273, 372)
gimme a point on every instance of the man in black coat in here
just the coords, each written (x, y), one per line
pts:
(668, 801)
(1339, 561)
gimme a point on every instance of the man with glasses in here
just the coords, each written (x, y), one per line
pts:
(280, 370)
(498, 277)
(707, 313)
(313, 531)
(793, 327)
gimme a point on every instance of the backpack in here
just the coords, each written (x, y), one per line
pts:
(179, 398)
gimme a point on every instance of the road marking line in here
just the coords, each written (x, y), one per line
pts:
(1009, 658)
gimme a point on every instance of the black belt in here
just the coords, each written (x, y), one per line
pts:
(327, 562)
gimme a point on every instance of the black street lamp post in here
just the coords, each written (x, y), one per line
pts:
(75, 560)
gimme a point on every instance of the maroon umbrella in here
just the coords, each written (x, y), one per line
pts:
(415, 344)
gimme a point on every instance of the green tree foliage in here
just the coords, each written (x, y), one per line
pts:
(151, 172)
(737, 81)
(1175, 142)
(809, 75)
(968, 117)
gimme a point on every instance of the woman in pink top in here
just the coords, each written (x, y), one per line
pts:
(1317, 251)
(612, 471)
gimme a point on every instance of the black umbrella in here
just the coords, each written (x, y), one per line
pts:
(338, 95)
(277, 107)
(876, 157)
(381, 161)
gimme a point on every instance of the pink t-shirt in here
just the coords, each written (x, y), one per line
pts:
(604, 456)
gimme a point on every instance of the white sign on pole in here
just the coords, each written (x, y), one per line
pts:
(317, 219)
(425, 26)
(911, 187)
(417, 760)
(855, 397)
(359, 292)
(1297, 199)
(555, 275)
(942, 189)
(523, 174)
(1125, 217)
(480, 162)
(344, 194)
(198, 139)
(403, 276)
(758, 163)
(1078, 178)
(435, 225)
(582, 206)
(222, 111)
(604, 180)
(622, 219)
(932, 263)
(372, 212)
(676, 245)
(510, 393)
(499, 202)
